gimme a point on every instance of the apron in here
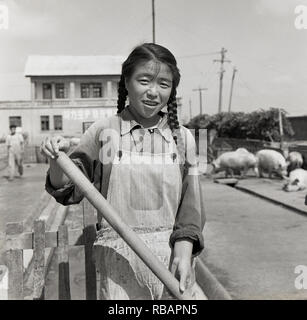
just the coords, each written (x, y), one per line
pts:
(145, 190)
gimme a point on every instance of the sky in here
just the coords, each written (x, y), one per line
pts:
(260, 37)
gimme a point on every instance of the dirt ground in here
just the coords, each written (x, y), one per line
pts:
(20, 198)
(253, 245)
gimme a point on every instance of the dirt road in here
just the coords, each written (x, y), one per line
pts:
(252, 245)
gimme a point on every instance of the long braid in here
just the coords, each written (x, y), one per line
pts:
(174, 124)
(122, 94)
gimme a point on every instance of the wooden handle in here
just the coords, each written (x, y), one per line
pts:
(111, 216)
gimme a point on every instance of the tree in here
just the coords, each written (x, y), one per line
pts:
(261, 124)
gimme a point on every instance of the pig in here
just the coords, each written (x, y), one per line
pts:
(295, 161)
(240, 160)
(271, 161)
(304, 165)
(297, 180)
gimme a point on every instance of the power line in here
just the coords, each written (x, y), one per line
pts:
(198, 55)
(209, 75)
(196, 35)
(244, 84)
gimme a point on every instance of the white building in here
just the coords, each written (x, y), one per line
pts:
(68, 93)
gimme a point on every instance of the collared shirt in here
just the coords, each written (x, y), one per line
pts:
(190, 217)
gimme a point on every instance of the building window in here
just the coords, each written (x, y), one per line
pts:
(44, 123)
(86, 125)
(47, 91)
(15, 120)
(85, 90)
(60, 91)
(58, 122)
(91, 90)
(97, 90)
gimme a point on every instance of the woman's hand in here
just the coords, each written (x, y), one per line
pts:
(51, 146)
(181, 266)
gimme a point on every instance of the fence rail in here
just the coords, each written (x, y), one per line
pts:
(17, 240)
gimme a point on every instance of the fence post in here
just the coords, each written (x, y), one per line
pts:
(89, 234)
(39, 260)
(14, 263)
(63, 261)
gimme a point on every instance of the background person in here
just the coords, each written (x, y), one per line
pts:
(15, 149)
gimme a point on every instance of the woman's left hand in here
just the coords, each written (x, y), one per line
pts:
(181, 266)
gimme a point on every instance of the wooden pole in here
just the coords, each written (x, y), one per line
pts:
(63, 261)
(89, 236)
(153, 21)
(39, 260)
(200, 98)
(231, 88)
(111, 216)
(281, 131)
(222, 61)
(14, 260)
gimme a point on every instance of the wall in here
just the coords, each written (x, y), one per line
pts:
(299, 125)
(73, 117)
(108, 90)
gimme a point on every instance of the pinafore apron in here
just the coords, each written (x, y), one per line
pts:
(145, 190)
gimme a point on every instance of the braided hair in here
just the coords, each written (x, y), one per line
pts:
(122, 94)
(154, 52)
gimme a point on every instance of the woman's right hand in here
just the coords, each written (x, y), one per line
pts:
(51, 146)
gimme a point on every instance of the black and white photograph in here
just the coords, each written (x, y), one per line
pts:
(153, 150)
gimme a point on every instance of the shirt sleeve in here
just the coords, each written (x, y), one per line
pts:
(190, 218)
(85, 156)
(8, 140)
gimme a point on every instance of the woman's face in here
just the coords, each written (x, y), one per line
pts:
(149, 88)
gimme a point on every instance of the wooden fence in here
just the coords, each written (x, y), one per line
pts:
(61, 240)
(38, 240)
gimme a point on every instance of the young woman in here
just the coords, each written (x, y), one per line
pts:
(143, 162)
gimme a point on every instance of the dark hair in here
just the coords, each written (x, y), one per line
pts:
(13, 126)
(153, 52)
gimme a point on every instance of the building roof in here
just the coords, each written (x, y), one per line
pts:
(297, 115)
(37, 65)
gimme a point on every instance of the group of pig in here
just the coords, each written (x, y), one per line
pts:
(267, 161)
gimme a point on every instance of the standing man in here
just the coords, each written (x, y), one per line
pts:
(15, 148)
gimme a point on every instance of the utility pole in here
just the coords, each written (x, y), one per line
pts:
(190, 106)
(281, 131)
(223, 51)
(231, 88)
(200, 98)
(153, 22)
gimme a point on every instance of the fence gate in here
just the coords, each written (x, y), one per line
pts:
(17, 240)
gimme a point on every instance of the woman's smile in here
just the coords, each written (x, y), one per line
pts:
(150, 103)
